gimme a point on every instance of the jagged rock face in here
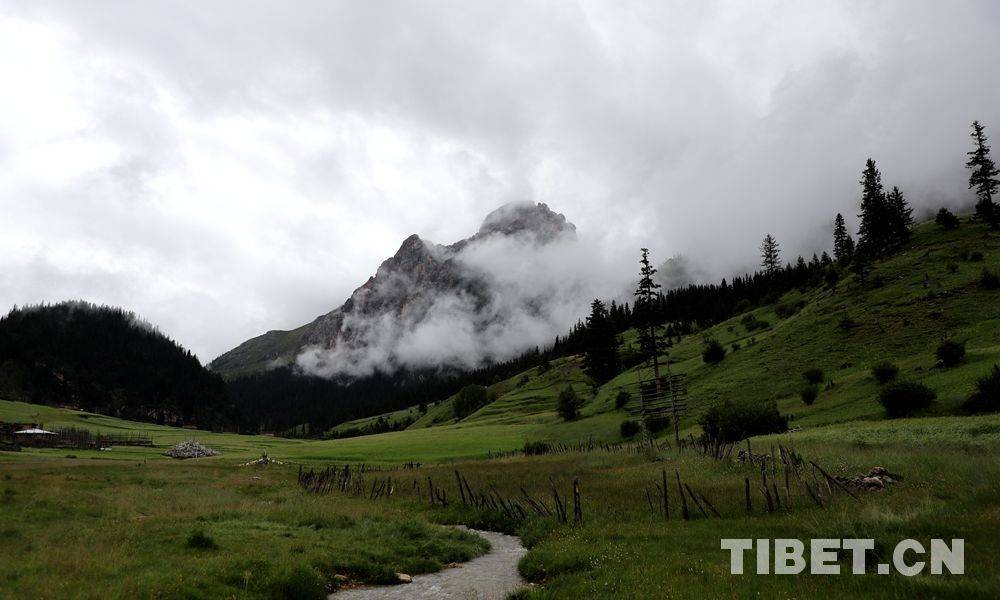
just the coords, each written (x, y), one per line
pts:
(524, 218)
(402, 291)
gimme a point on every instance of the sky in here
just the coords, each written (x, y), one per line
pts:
(227, 168)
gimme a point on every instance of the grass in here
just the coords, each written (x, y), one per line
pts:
(197, 529)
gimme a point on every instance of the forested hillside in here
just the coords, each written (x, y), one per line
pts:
(106, 360)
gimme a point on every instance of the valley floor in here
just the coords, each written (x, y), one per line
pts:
(130, 523)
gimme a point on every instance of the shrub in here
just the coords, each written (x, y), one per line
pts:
(752, 323)
(946, 219)
(813, 376)
(884, 372)
(809, 394)
(713, 352)
(950, 353)
(544, 366)
(201, 540)
(629, 428)
(986, 398)
(784, 310)
(989, 280)
(734, 421)
(976, 257)
(904, 398)
(536, 448)
(657, 424)
(735, 346)
(568, 404)
(846, 323)
(622, 398)
(295, 583)
(470, 399)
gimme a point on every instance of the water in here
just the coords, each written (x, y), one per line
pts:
(489, 577)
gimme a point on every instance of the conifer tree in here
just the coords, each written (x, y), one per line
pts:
(644, 312)
(900, 216)
(873, 232)
(600, 359)
(843, 244)
(770, 255)
(983, 178)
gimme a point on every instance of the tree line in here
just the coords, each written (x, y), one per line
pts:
(885, 225)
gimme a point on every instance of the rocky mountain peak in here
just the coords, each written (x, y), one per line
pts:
(417, 283)
(520, 218)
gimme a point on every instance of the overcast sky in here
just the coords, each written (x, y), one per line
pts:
(225, 168)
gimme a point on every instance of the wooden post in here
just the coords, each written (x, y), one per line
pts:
(746, 482)
(461, 488)
(577, 504)
(666, 496)
(696, 501)
(680, 490)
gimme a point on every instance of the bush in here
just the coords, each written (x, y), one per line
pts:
(201, 540)
(713, 352)
(622, 399)
(295, 583)
(752, 323)
(989, 280)
(629, 428)
(809, 394)
(536, 448)
(544, 366)
(946, 219)
(568, 404)
(734, 421)
(904, 398)
(813, 376)
(657, 424)
(952, 268)
(470, 399)
(784, 310)
(846, 323)
(950, 353)
(884, 372)
(976, 257)
(986, 398)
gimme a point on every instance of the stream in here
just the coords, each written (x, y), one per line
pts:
(490, 577)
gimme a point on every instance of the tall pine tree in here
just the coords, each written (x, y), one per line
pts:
(600, 357)
(770, 255)
(873, 232)
(843, 243)
(900, 217)
(983, 178)
(644, 309)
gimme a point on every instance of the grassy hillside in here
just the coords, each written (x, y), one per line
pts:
(908, 304)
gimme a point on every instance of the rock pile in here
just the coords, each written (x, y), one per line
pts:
(190, 449)
(877, 479)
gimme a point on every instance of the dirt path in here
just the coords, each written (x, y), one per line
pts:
(490, 577)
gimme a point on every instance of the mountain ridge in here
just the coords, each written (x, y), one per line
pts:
(401, 293)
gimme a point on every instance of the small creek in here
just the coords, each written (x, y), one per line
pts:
(490, 577)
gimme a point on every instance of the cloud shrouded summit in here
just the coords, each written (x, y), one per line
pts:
(522, 279)
(226, 168)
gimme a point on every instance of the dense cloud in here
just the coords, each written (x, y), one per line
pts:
(224, 168)
(515, 292)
